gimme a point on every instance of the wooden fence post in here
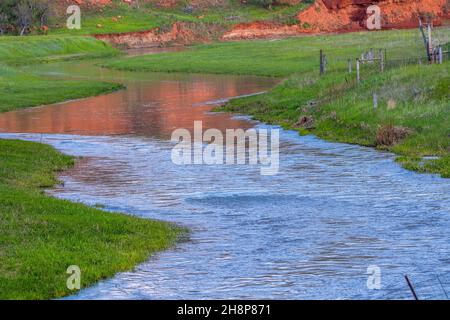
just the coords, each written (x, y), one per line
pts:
(322, 71)
(381, 57)
(441, 58)
(375, 100)
(358, 78)
(425, 40)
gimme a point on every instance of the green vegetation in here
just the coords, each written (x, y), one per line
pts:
(277, 58)
(41, 49)
(20, 89)
(40, 237)
(20, 16)
(120, 17)
(412, 118)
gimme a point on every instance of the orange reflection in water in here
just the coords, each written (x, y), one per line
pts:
(150, 107)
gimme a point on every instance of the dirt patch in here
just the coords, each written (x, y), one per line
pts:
(261, 30)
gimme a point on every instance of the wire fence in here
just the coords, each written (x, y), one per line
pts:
(376, 60)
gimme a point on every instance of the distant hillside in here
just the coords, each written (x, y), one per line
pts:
(143, 23)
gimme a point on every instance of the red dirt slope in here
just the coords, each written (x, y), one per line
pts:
(345, 16)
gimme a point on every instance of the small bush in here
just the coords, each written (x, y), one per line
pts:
(389, 135)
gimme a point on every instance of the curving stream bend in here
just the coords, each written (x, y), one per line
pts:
(309, 232)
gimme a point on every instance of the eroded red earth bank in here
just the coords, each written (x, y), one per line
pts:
(324, 16)
(346, 16)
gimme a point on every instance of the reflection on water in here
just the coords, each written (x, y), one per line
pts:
(152, 105)
(309, 232)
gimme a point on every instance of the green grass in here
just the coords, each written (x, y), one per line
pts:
(276, 58)
(41, 49)
(148, 16)
(21, 89)
(344, 110)
(40, 237)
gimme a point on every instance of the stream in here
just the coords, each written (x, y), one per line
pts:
(310, 232)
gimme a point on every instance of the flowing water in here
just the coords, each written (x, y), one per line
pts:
(309, 232)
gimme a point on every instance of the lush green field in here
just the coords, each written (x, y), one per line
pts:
(334, 106)
(40, 237)
(21, 89)
(41, 49)
(148, 16)
(277, 57)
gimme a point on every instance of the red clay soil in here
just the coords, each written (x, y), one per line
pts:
(181, 33)
(346, 16)
(87, 2)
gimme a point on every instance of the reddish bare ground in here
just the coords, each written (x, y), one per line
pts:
(181, 33)
(346, 16)
(343, 15)
(87, 2)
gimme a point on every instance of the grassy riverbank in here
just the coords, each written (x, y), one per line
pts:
(20, 89)
(412, 118)
(41, 49)
(40, 237)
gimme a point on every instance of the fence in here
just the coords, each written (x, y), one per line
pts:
(431, 47)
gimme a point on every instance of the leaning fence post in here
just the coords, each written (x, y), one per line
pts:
(411, 288)
(358, 78)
